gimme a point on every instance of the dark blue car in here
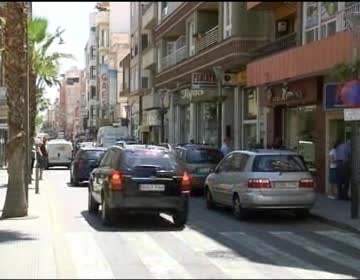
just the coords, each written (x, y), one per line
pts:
(86, 159)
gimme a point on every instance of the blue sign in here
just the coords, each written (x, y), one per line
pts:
(338, 96)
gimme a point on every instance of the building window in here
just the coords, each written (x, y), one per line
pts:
(227, 19)
(93, 92)
(164, 9)
(208, 124)
(102, 38)
(92, 73)
(320, 20)
(250, 105)
(92, 52)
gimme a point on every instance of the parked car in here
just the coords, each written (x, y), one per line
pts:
(137, 179)
(198, 161)
(86, 159)
(60, 153)
(263, 179)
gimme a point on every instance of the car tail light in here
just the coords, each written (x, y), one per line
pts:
(185, 182)
(259, 184)
(306, 183)
(116, 181)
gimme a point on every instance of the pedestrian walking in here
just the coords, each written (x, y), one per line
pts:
(42, 157)
(332, 171)
(226, 148)
(343, 155)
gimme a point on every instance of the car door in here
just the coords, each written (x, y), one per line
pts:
(235, 177)
(219, 180)
(99, 174)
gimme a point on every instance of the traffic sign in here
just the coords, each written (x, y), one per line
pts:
(352, 114)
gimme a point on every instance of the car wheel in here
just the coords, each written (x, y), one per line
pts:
(106, 214)
(93, 206)
(302, 213)
(180, 218)
(239, 212)
(209, 200)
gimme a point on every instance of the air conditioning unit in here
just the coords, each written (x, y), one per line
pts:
(230, 79)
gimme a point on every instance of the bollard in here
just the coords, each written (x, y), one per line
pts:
(37, 180)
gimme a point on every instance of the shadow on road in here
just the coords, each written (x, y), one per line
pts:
(80, 185)
(129, 223)
(13, 236)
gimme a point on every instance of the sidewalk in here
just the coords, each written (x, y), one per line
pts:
(32, 247)
(335, 212)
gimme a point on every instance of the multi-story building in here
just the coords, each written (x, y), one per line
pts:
(91, 77)
(299, 93)
(83, 104)
(202, 52)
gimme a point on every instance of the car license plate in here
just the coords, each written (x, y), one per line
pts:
(285, 185)
(203, 170)
(152, 188)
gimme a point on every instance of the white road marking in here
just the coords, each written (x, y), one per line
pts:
(347, 238)
(319, 250)
(160, 264)
(225, 259)
(285, 260)
(89, 261)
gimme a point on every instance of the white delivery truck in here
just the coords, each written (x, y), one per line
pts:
(60, 153)
(109, 135)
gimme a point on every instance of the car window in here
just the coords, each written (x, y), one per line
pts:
(115, 157)
(203, 155)
(279, 163)
(161, 159)
(91, 155)
(239, 162)
(106, 161)
(225, 166)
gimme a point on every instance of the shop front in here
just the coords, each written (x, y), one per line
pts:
(295, 115)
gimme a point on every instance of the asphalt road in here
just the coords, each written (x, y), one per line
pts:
(212, 245)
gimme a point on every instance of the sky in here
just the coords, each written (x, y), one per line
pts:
(74, 18)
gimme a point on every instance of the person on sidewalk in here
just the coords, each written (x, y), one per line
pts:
(226, 148)
(343, 155)
(332, 170)
(42, 157)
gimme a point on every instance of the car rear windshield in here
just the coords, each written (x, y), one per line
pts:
(279, 163)
(158, 158)
(204, 155)
(91, 155)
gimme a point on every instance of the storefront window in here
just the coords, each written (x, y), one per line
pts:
(208, 123)
(300, 128)
(250, 105)
(249, 135)
(185, 124)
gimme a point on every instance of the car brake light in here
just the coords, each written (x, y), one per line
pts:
(259, 184)
(306, 183)
(116, 181)
(185, 182)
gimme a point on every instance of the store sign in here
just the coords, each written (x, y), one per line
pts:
(203, 79)
(338, 96)
(352, 114)
(285, 95)
(241, 77)
(189, 94)
(104, 85)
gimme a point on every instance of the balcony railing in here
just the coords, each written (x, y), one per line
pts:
(282, 43)
(342, 16)
(207, 39)
(174, 58)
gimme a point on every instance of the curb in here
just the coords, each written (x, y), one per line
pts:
(335, 223)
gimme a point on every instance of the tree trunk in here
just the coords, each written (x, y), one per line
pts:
(15, 77)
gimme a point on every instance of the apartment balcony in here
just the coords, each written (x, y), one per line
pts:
(102, 18)
(149, 15)
(283, 43)
(149, 58)
(232, 53)
(208, 39)
(265, 5)
(174, 58)
(151, 101)
(315, 58)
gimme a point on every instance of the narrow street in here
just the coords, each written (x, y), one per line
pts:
(212, 245)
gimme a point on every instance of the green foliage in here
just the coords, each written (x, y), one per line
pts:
(343, 72)
(38, 121)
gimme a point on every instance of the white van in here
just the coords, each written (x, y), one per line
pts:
(109, 135)
(60, 153)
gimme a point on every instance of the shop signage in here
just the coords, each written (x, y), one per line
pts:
(189, 94)
(338, 96)
(203, 79)
(104, 85)
(242, 78)
(352, 114)
(285, 94)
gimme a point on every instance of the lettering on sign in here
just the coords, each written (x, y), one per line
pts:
(352, 114)
(190, 93)
(104, 87)
(203, 79)
(285, 94)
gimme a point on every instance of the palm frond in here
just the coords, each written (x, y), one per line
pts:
(37, 29)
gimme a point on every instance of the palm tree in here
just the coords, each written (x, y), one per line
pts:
(15, 77)
(343, 72)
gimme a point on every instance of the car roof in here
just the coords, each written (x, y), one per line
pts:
(93, 149)
(258, 152)
(197, 146)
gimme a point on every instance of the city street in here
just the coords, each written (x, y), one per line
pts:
(212, 245)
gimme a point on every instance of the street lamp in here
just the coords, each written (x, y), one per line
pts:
(219, 73)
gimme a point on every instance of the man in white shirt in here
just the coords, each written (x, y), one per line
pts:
(225, 148)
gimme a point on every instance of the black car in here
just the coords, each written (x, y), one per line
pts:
(139, 179)
(86, 159)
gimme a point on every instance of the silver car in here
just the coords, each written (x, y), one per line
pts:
(262, 179)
